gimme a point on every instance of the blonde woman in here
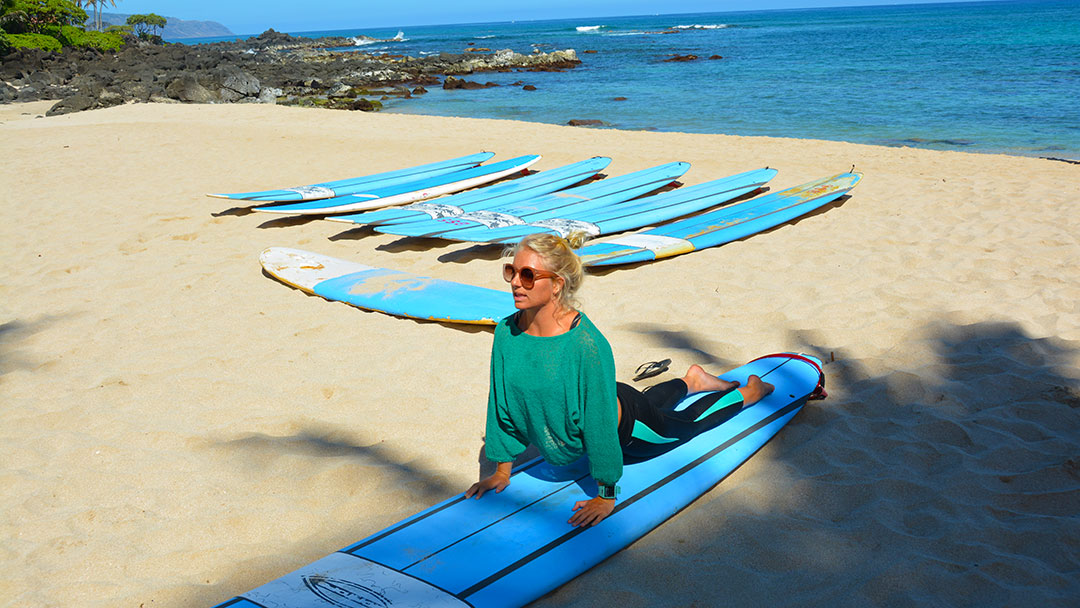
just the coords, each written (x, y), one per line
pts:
(553, 385)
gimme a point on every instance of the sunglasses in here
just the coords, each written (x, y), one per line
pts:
(528, 275)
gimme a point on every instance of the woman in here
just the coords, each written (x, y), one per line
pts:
(553, 385)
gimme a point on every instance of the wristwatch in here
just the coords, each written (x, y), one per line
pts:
(607, 491)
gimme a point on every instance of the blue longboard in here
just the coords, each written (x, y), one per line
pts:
(721, 226)
(507, 549)
(408, 192)
(627, 215)
(360, 184)
(523, 188)
(397, 293)
(597, 194)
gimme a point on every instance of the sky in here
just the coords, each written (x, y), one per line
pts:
(250, 17)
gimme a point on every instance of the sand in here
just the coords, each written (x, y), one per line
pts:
(177, 428)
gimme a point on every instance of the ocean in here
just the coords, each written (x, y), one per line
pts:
(993, 77)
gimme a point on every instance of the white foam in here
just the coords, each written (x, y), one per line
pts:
(588, 28)
(718, 26)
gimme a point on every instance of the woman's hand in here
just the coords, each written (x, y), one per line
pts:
(497, 481)
(591, 512)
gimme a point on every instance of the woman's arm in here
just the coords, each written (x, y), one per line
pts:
(601, 422)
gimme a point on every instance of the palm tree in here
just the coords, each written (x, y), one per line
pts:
(97, 9)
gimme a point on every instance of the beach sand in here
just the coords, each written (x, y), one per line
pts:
(177, 428)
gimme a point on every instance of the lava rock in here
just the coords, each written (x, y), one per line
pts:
(76, 103)
(187, 88)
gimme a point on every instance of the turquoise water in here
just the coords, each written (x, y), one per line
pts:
(983, 77)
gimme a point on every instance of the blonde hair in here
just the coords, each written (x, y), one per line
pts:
(559, 257)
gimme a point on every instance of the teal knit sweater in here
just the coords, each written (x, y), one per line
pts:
(557, 393)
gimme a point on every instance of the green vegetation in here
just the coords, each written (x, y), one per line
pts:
(33, 41)
(5, 44)
(77, 37)
(50, 25)
(38, 16)
(147, 26)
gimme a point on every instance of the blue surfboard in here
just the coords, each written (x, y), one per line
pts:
(359, 184)
(597, 194)
(721, 226)
(393, 292)
(523, 188)
(505, 550)
(410, 191)
(627, 215)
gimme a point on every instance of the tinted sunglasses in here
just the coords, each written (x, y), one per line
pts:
(528, 275)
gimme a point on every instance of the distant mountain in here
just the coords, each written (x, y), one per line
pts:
(176, 28)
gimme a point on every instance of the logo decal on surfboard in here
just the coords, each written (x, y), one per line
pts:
(345, 594)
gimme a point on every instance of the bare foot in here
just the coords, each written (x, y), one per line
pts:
(755, 390)
(698, 380)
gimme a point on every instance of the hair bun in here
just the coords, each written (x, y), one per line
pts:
(576, 239)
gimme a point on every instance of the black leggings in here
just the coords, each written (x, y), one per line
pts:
(650, 425)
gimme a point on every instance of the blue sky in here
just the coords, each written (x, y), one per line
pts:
(249, 17)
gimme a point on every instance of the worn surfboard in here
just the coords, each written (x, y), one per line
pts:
(359, 184)
(390, 291)
(507, 549)
(629, 215)
(721, 226)
(523, 188)
(408, 192)
(597, 194)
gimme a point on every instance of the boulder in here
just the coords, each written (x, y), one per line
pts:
(7, 93)
(29, 93)
(238, 82)
(269, 95)
(340, 90)
(87, 84)
(528, 87)
(44, 79)
(364, 105)
(585, 122)
(137, 90)
(452, 83)
(682, 58)
(419, 91)
(109, 98)
(77, 103)
(714, 57)
(619, 99)
(187, 88)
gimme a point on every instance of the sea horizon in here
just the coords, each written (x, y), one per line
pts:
(992, 77)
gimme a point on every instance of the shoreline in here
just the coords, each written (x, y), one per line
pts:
(14, 110)
(179, 428)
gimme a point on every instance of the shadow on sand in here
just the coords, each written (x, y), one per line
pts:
(14, 332)
(933, 475)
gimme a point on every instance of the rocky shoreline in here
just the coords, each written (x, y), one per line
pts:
(269, 68)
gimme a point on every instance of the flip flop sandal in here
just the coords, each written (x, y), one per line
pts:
(650, 369)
